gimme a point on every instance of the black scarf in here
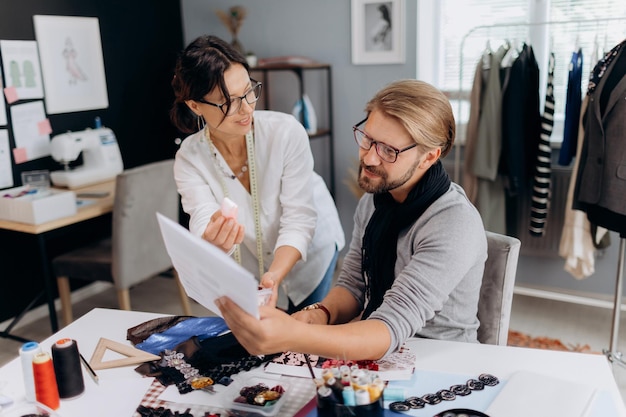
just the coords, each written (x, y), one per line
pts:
(380, 241)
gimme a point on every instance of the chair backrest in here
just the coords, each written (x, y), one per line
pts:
(496, 292)
(138, 249)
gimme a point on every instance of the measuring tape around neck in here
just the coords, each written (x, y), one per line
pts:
(253, 193)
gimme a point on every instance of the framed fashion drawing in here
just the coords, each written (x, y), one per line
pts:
(72, 64)
(378, 35)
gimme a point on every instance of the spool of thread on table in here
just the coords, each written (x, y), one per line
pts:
(361, 397)
(27, 351)
(46, 390)
(67, 368)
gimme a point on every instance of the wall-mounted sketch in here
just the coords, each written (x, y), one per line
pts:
(72, 63)
(30, 142)
(21, 68)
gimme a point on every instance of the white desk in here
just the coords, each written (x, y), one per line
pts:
(123, 387)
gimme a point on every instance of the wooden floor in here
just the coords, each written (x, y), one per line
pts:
(573, 324)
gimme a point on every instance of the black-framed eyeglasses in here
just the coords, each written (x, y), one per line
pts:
(251, 96)
(386, 152)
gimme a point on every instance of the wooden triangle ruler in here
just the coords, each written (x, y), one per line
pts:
(133, 355)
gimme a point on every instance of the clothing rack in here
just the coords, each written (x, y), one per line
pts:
(507, 28)
(612, 354)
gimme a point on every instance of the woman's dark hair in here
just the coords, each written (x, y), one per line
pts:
(199, 69)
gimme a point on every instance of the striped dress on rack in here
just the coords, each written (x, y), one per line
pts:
(540, 202)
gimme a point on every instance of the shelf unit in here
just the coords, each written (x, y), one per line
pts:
(299, 70)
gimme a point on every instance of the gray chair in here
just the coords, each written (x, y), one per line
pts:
(135, 252)
(496, 292)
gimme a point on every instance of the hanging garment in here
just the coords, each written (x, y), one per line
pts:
(490, 200)
(576, 244)
(521, 127)
(470, 181)
(540, 202)
(572, 108)
(601, 176)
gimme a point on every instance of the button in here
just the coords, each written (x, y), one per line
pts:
(399, 406)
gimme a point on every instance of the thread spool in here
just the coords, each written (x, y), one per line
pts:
(361, 397)
(348, 396)
(27, 351)
(67, 368)
(46, 391)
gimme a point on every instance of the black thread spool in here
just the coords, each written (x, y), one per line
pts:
(67, 368)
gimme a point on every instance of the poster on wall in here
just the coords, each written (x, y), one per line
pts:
(20, 62)
(72, 64)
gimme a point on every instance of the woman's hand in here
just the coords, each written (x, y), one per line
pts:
(223, 232)
(267, 281)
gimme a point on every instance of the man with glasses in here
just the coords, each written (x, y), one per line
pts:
(286, 230)
(416, 259)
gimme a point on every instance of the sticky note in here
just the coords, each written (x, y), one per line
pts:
(44, 127)
(11, 94)
(19, 155)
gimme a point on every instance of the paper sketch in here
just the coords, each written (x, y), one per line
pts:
(21, 68)
(72, 63)
(6, 172)
(25, 120)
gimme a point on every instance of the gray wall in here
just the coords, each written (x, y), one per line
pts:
(318, 29)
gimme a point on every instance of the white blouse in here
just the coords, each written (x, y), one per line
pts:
(296, 208)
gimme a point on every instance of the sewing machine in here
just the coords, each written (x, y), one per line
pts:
(102, 159)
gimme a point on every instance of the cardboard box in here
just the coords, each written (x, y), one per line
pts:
(27, 205)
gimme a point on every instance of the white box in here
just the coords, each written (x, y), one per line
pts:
(37, 207)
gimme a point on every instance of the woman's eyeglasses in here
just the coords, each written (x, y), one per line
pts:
(251, 96)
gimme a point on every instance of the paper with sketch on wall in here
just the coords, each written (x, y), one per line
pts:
(205, 271)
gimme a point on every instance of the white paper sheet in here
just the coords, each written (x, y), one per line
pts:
(21, 68)
(25, 118)
(531, 394)
(3, 109)
(6, 170)
(207, 272)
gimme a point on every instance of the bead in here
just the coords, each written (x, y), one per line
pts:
(201, 382)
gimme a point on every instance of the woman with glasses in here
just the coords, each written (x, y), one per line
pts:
(418, 249)
(284, 228)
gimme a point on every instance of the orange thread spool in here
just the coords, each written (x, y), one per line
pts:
(46, 390)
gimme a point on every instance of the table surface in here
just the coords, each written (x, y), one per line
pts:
(97, 207)
(433, 356)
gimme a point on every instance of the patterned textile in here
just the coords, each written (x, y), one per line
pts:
(600, 68)
(541, 182)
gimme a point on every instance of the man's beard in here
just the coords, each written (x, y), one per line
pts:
(382, 185)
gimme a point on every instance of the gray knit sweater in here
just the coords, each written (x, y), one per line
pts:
(439, 269)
